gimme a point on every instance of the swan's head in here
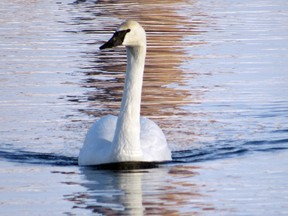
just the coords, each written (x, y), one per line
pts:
(129, 34)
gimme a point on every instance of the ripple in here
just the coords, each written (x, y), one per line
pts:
(23, 156)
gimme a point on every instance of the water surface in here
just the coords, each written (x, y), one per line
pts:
(215, 81)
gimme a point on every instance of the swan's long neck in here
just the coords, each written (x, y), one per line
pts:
(127, 135)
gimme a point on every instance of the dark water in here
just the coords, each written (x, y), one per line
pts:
(215, 81)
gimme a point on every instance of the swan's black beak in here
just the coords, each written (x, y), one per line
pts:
(116, 40)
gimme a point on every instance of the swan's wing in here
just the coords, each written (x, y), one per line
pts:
(104, 128)
(98, 141)
(153, 141)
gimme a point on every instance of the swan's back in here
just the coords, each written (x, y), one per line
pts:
(98, 147)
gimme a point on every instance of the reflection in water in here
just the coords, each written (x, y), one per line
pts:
(164, 89)
(162, 191)
(228, 92)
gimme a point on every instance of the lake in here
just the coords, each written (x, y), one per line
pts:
(215, 81)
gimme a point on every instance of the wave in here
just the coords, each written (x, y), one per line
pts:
(22, 156)
(225, 149)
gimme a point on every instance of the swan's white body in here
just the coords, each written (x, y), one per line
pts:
(127, 137)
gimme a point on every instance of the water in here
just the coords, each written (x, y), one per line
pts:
(215, 81)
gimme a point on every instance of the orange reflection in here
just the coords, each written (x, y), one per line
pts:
(165, 88)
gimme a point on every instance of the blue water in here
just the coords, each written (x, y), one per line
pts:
(215, 81)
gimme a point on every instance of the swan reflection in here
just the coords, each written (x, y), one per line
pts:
(112, 192)
(158, 191)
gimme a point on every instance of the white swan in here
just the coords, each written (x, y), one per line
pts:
(127, 137)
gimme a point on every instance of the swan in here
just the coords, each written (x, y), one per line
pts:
(128, 137)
